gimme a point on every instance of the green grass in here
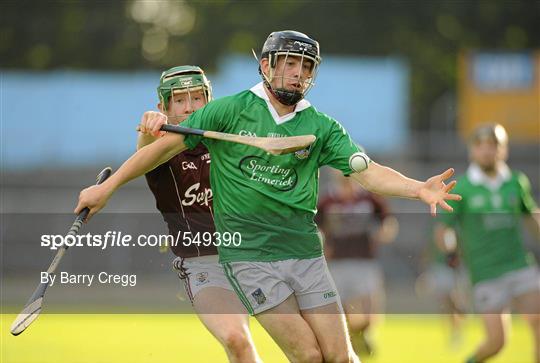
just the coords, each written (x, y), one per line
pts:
(181, 338)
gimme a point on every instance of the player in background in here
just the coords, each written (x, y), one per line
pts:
(278, 270)
(181, 187)
(488, 220)
(444, 279)
(354, 222)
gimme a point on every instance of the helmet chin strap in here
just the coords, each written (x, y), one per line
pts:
(285, 97)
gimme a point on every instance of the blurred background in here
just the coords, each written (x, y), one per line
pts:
(408, 79)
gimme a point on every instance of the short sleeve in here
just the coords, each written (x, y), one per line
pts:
(338, 148)
(528, 205)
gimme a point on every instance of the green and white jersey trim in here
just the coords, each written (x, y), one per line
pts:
(270, 200)
(478, 177)
(258, 90)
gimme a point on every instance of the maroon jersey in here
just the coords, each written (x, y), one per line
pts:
(183, 195)
(349, 225)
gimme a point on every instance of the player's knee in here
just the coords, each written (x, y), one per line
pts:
(366, 324)
(235, 341)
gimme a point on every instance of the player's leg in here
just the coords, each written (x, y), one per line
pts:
(218, 306)
(319, 302)
(526, 283)
(360, 314)
(528, 304)
(266, 295)
(447, 286)
(226, 318)
(495, 327)
(453, 302)
(291, 332)
(369, 299)
(359, 310)
(492, 298)
(330, 329)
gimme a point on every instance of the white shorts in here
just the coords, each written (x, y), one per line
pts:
(198, 273)
(497, 294)
(357, 277)
(442, 280)
(264, 285)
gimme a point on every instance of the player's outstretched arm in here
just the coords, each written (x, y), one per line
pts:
(143, 161)
(384, 180)
(532, 223)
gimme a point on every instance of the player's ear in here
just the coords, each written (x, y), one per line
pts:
(265, 66)
(504, 152)
(160, 107)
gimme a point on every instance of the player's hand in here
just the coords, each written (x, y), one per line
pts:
(94, 197)
(435, 192)
(151, 122)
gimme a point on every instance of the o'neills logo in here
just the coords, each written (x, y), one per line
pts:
(260, 170)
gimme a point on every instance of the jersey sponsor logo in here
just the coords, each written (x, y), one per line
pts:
(261, 170)
(205, 157)
(188, 165)
(193, 195)
(247, 133)
(259, 296)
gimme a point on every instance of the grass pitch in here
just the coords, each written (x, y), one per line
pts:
(181, 338)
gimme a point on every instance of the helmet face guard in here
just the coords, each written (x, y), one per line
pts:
(290, 44)
(183, 79)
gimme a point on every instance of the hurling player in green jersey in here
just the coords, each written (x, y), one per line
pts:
(487, 224)
(277, 269)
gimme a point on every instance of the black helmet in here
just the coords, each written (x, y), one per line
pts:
(290, 42)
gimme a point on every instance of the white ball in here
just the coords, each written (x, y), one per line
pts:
(359, 162)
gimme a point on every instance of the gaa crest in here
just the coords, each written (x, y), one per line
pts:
(302, 154)
(259, 296)
(201, 278)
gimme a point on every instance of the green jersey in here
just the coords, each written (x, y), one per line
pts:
(269, 201)
(488, 221)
